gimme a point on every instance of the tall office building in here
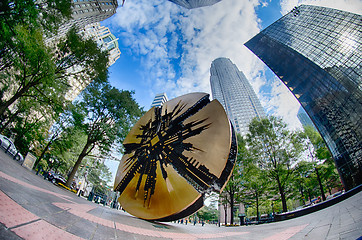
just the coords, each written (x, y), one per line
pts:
(317, 53)
(88, 12)
(104, 38)
(304, 118)
(159, 100)
(106, 41)
(194, 3)
(231, 88)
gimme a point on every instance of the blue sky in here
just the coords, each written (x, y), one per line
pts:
(167, 48)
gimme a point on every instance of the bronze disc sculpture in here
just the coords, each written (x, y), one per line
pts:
(173, 155)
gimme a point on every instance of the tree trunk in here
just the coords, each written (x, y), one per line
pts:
(282, 196)
(77, 164)
(9, 120)
(42, 154)
(17, 95)
(302, 194)
(320, 184)
(232, 208)
(309, 195)
(257, 206)
(226, 214)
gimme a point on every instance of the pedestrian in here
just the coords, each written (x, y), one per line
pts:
(81, 189)
(40, 169)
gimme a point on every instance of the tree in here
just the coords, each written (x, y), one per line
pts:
(231, 193)
(60, 133)
(22, 26)
(99, 176)
(42, 73)
(300, 179)
(275, 149)
(25, 127)
(107, 115)
(44, 16)
(253, 184)
(207, 213)
(317, 151)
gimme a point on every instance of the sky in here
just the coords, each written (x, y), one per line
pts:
(167, 48)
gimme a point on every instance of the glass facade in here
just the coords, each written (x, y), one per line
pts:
(317, 53)
(304, 118)
(194, 3)
(86, 12)
(231, 88)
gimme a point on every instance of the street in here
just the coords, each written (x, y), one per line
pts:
(33, 208)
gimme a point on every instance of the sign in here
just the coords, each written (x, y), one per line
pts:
(29, 161)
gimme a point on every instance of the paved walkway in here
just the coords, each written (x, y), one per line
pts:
(32, 208)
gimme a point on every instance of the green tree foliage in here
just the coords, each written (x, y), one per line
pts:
(106, 114)
(208, 213)
(302, 181)
(46, 14)
(36, 82)
(253, 184)
(35, 16)
(99, 176)
(22, 26)
(42, 73)
(66, 148)
(31, 71)
(324, 169)
(61, 134)
(275, 150)
(231, 193)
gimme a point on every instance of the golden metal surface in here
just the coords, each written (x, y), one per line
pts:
(173, 156)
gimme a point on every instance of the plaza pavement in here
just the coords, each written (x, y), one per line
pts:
(33, 208)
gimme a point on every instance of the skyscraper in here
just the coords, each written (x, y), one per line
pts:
(317, 53)
(87, 12)
(106, 41)
(304, 118)
(159, 100)
(231, 88)
(104, 38)
(194, 3)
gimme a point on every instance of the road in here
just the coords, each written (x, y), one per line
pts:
(33, 208)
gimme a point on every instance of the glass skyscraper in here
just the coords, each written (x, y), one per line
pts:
(231, 88)
(194, 3)
(317, 53)
(304, 118)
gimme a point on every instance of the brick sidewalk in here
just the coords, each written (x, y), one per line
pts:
(32, 208)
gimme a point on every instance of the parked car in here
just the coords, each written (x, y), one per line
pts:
(48, 174)
(10, 148)
(57, 178)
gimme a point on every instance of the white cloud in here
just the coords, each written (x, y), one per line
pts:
(155, 30)
(283, 104)
(162, 33)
